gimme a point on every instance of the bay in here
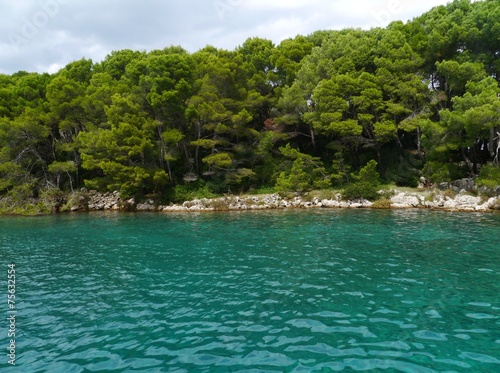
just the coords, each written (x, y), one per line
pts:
(279, 291)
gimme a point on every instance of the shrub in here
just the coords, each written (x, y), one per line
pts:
(263, 190)
(306, 173)
(369, 173)
(489, 176)
(182, 193)
(367, 183)
(78, 200)
(450, 193)
(328, 194)
(383, 203)
(361, 189)
(430, 197)
(444, 172)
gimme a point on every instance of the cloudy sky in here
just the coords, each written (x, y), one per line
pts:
(44, 35)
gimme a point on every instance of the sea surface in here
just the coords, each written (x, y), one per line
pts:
(284, 291)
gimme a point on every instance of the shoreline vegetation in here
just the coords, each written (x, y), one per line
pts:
(335, 115)
(447, 197)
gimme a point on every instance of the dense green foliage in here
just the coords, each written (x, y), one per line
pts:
(366, 183)
(331, 109)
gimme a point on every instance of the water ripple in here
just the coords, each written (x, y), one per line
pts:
(263, 292)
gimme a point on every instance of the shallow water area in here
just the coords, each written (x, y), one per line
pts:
(280, 291)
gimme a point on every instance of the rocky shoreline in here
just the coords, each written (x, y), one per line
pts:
(427, 199)
(461, 195)
(402, 200)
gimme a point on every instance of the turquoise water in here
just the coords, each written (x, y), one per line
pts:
(296, 291)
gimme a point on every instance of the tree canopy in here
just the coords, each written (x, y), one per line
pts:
(413, 99)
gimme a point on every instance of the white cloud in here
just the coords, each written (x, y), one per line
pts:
(55, 32)
(53, 68)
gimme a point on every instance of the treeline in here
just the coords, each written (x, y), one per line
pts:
(412, 100)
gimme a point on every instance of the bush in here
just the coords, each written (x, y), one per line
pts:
(28, 208)
(383, 203)
(297, 180)
(368, 173)
(361, 189)
(367, 183)
(263, 190)
(444, 172)
(449, 193)
(489, 176)
(329, 194)
(182, 193)
(77, 200)
(307, 173)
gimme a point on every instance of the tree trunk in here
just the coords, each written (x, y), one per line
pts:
(379, 159)
(313, 138)
(491, 146)
(497, 152)
(466, 159)
(162, 147)
(419, 143)
(70, 182)
(169, 169)
(197, 152)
